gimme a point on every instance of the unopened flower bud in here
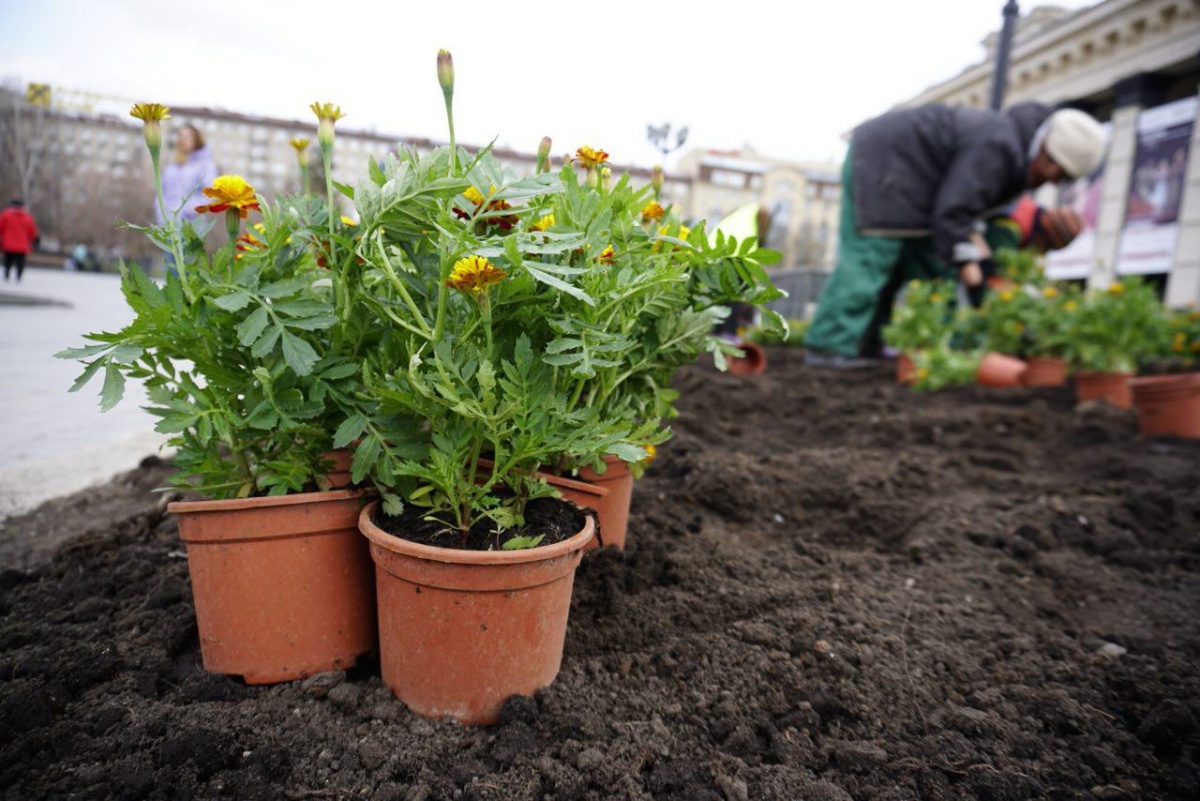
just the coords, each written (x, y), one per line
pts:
(605, 179)
(445, 71)
(656, 180)
(543, 153)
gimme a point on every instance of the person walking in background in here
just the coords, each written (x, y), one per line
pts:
(914, 185)
(18, 236)
(190, 169)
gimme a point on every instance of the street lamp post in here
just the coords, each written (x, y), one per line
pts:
(1003, 49)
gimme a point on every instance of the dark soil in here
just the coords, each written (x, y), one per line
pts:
(547, 520)
(834, 589)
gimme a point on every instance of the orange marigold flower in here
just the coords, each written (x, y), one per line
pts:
(544, 223)
(590, 157)
(608, 255)
(474, 274)
(230, 192)
(249, 241)
(652, 211)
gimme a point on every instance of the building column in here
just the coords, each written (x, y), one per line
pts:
(1183, 284)
(1132, 95)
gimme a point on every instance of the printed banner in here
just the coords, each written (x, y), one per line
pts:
(1077, 259)
(1151, 231)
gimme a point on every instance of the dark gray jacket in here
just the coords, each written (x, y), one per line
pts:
(936, 169)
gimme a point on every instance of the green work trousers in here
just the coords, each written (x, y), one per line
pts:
(857, 299)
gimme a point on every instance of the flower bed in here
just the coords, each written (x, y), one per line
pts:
(834, 589)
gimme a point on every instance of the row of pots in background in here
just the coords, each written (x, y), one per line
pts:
(1166, 405)
(283, 590)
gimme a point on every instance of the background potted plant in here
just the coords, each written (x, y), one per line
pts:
(1049, 328)
(1109, 334)
(245, 353)
(922, 320)
(1169, 403)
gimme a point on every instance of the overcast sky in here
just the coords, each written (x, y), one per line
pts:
(786, 78)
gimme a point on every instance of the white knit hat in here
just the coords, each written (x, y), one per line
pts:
(1075, 141)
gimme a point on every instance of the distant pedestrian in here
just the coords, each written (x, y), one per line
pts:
(190, 169)
(18, 236)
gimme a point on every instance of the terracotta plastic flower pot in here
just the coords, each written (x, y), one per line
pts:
(1045, 371)
(1110, 387)
(753, 363)
(613, 508)
(339, 474)
(999, 370)
(282, 585)
(460, 631)
(589, 495)
(906, 371)
(1168, 405)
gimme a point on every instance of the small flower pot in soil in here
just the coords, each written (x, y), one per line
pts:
(282, 584)
(906, 371)
(1167, 405)
(1000, 370)
(612, 509)
(1110, 387)
(1045, 371)
(590, 495)
(460, 631)
(753, 362)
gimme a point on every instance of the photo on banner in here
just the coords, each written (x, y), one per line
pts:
(1156, 186)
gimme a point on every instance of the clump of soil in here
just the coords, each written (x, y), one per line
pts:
(834, 589)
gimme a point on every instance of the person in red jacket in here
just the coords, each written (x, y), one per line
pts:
(18, 236)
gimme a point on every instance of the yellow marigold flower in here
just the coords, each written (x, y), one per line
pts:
(1116, 288)
(1007, 295)
(922, 373)
(151, 114)
(590, 157)
(652, 211)
(474, 274)
(474, 195)
(936, 297)
(230, 192)
(1019, 328)
(300, 143)
(684, 231)
(651, 454)
(327, 111)
(349, 223)
(544, 223)
(1050, 292)
(327, 115)
(1070, 306)
(608, 255)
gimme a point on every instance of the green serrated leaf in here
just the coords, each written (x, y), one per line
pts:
(234, 301)
(252, 327)
(114, 387)
(299, 355)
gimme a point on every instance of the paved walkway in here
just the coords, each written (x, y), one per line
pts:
(53, 442)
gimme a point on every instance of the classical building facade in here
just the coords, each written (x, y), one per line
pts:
(1126, 62)
(801, 199)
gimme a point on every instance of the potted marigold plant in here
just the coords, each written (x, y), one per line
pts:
(1048, 324)
(922, 320)
(1111, 332)
(513, 340)
(647, 293)
(1169, 404)
(246, 353)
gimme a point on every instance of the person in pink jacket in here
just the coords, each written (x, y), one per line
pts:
(18, 236)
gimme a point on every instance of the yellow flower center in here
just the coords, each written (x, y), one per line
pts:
(653, 211)
(230, 192)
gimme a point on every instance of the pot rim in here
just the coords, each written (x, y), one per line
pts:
(1104, 375)
(239, 504)
(1170, 381)
(431, 553)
